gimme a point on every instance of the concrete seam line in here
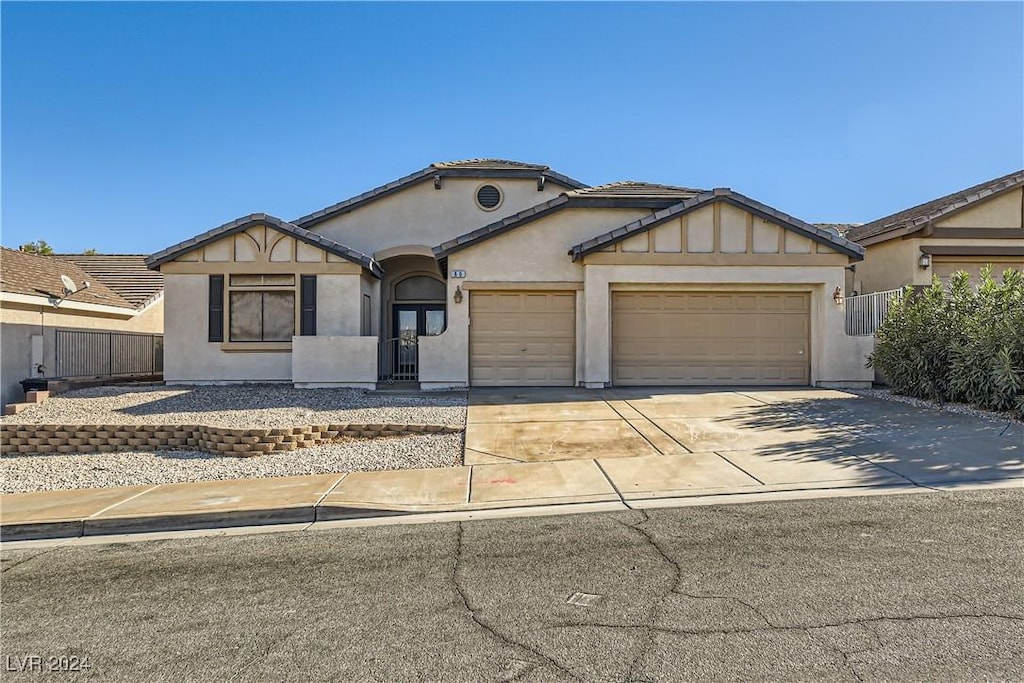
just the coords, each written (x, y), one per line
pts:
(612, 484)
(120, 502)
(631, 426)
(469, 482)
(720, 455)
(753, 398)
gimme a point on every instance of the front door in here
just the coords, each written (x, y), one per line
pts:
(412, 321)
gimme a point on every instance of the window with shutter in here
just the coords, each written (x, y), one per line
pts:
(307, 299)
(216, 308)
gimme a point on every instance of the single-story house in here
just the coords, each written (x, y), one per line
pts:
(489, 272)
(47, 330)
(967, 230)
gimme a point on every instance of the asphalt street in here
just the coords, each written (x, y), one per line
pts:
(899, 587)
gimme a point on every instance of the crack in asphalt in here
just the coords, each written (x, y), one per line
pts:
(9, 567)
(845, 654)
(731, 631)
(487, 628)
(656, 606)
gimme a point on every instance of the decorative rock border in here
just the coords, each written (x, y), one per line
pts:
(31, 439)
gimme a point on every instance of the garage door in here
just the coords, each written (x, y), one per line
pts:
(710, 338)
(522, 338)
(945, 268)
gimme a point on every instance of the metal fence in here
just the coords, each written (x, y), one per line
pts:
(865, 312)
(106, 354)
(399, 359)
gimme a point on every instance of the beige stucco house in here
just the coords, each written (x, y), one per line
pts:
(36, 314)
(967, 230)
(491, 272)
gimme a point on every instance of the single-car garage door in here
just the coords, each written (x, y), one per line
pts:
(710, 338)
(522, 338)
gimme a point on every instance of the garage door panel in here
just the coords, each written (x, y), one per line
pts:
(945, 269)
(710, 338)
(522, 338)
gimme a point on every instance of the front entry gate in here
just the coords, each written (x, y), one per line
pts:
(399, 355)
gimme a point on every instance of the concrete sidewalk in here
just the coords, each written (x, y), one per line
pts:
(605, 483)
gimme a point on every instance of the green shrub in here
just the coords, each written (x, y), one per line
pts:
(959, 343)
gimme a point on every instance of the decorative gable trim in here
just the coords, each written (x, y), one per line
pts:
(725, 195)
(241, 224)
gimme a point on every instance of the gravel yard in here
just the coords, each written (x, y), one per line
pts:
(242, 406)
(24, 473)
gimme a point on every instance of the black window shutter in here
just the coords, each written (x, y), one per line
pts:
(216, 308)
(307, 302)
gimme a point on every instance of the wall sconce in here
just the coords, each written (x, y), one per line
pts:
(925, 260)
(540, 184)
(837, 296)
(437, 181)
(458, 295)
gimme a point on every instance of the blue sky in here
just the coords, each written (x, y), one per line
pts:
(129, 127)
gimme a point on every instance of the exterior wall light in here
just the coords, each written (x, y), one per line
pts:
(458, 294)
(924, 261)
(437, 181)
(837, 296)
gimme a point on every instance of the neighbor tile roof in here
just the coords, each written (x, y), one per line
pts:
(474, 168)
(240, 224)
(644, 224)
(914, 218)
(624, 194)
(23, 273)
(632, 188)
(125, 274)
(840, 228)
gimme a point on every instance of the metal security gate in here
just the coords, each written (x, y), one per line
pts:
(106, 354)
(399, 359)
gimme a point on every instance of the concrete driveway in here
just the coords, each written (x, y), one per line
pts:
(652, 443)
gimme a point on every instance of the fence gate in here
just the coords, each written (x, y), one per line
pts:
(866, 312)
(105, 354)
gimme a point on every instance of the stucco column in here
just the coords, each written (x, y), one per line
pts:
(597, 326)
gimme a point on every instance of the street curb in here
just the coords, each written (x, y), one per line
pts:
(311, 514)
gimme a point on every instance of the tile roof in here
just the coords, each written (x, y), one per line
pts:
(815, 233)
(473, 168)
(626, 194)
(240, 224)
(34, 275)
(916, 217)
(839, 228)
(627, 188)
(125, 274)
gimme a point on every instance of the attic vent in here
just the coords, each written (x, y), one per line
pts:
(488, 197)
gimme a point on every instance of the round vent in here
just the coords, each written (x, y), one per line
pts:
(488, 197)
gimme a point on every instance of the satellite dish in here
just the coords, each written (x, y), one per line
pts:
(69, 285)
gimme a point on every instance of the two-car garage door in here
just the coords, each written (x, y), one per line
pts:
(710, 338)
(527, 338)
(522, 338)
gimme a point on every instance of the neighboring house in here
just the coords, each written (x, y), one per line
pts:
(122, 296)
(491, 272)
(967, 230)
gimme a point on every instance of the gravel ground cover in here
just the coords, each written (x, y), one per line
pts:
(961, 408)
(252, 406)
(25, 473)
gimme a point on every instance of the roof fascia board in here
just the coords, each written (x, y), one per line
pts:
(66, 304)
(500, 227)
(423, 175)
(972, 250)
